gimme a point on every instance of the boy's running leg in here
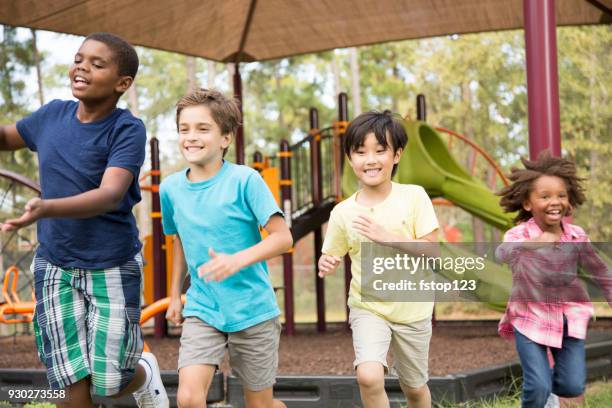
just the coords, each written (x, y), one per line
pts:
(371, 340)
(202, 349)
(77, 395)
(262, 399)
(60, 326)
(114, 337)
(410, 344)
(254, 360)
(371, 379)
(151, 394)
(417, 397)
(140, 376)
(194, 382)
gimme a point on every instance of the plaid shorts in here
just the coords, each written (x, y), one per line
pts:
(88, 324)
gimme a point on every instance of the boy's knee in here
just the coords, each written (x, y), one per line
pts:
(187, 397)
(370, 379)
(278, 404)
(415, 394)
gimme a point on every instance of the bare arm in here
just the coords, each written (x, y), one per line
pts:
(179, 266)
(276, 243)
(115, 183)
(10, 138)
(222, 266)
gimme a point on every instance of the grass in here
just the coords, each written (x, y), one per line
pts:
(598, 395)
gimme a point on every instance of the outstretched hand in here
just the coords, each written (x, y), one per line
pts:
(34, 210)
(328, 264)
(220, 267)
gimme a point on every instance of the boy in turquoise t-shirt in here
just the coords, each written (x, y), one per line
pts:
(215, 208)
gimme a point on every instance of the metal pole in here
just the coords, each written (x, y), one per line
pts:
(421, 108)
(542, 77)
(317, 192)
(240, 131)
(258, 161)
(343, 116)
(285, 187)
(159, 244)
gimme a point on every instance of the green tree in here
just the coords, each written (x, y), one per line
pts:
(16, 61)
(586, 110)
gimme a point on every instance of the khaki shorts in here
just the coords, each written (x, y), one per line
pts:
(253, 352)
(372, 336)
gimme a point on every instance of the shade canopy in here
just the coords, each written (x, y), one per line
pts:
(256, 30)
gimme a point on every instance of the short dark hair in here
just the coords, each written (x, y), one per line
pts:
(124, 54)
(225, 110)
(514, 195)
(382, 124)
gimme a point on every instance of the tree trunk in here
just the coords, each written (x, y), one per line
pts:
(192, 81)
(277, 86)
(231, 68)
(212, 73)
(336, 74)
(355, 81)
(41, 97)
(478, 229)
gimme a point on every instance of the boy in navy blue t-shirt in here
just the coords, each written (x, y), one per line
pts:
(87, 268)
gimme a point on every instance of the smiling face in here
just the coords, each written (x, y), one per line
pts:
(548, 202)
(200, 139)
(94, 75)
(373, 162)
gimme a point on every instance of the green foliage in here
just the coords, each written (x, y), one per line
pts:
(16, 60)
(585, 59)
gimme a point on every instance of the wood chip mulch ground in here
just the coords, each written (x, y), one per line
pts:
(453, 349)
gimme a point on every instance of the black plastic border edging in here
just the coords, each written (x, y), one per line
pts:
(484, 383)
(342, 391)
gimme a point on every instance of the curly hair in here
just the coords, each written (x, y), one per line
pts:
(514, 195)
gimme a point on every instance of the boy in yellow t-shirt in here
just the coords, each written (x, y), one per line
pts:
(383, 212)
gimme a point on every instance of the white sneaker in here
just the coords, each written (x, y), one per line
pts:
(152, 393)
(552, 401)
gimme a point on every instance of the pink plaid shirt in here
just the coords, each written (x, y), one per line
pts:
(542, 321)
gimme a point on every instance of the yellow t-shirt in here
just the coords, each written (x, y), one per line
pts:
(407, 211)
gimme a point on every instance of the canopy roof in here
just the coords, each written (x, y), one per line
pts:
(255, 30)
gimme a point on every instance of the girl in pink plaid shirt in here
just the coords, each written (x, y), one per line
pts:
(549, 306)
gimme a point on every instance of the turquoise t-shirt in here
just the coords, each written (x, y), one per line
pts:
(223, 212)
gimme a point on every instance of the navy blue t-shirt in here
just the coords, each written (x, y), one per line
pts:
(72, 159)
